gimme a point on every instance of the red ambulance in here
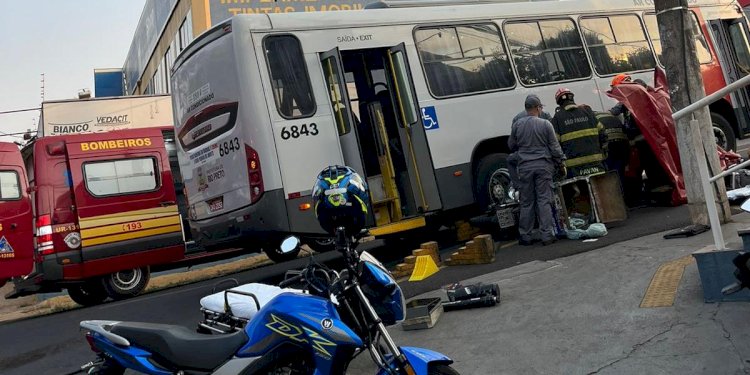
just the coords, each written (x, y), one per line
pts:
(16, 233)
(103, 208)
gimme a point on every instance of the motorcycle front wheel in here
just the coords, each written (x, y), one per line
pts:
(441, 369)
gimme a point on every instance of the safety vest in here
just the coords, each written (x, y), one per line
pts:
(580, 136)
(614, 129)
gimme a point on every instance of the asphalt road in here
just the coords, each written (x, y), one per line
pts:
(53, 344)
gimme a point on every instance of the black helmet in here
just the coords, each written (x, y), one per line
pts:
(340, 198)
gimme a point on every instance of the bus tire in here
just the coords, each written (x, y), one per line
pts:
(277, 256)
(126, 283)
(89, 293)
(487, 167)
(321, 244)
(723, 132)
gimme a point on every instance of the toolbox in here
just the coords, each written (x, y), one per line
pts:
(422, 313)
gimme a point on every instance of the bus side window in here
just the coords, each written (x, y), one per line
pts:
(617, 44)
(289, 79)
(701, 46)
(463, 59)
(547, 51)
(738, 36)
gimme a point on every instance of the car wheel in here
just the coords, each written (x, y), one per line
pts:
(723, 132)
(126, 283)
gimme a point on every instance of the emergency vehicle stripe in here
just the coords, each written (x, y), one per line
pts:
(584, 160)
(579, 134)
(130, 226)
(151, 213)
(132, 235)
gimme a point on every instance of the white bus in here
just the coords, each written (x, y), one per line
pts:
(416, 98)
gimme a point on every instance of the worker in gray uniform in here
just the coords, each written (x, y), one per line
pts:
(539, 153)
(513, 157)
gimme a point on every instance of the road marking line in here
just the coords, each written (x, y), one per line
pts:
(663, 288)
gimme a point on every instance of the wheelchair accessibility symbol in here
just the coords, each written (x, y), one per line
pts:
(429, 118)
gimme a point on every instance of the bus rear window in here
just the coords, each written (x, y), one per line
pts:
(289, 79)
(116, 177)
(547, 51)
(10, 188)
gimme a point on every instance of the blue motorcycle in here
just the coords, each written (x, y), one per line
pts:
(321, 332)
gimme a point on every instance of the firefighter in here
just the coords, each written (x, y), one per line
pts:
(538, 153)
(581, 136)
(618, 145)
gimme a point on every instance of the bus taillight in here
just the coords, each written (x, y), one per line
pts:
(44, 235)
(254, 174)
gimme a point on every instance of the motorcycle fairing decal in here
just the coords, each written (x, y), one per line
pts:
(319, 343)
(285, 329)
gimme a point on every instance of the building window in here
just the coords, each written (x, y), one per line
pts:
(186, 30)
(617, 44)
(289, 79)
(547, 51)
(117, 177)
(701, 46)
(463, 59)
(169, 62)
(10, 187)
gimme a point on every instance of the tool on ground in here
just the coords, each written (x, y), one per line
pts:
(471, 296)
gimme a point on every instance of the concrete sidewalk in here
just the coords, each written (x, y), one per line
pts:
(581, 315)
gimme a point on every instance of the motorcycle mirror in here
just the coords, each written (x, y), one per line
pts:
(289, 244)
(746, 206)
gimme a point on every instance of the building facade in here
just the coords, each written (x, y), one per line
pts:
(166, 27)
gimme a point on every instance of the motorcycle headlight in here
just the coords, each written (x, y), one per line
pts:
(382, 291)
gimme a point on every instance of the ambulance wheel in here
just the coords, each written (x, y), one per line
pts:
(492, 180)
(89, 293)
(126, 283)
(723, 132)
(277, 256)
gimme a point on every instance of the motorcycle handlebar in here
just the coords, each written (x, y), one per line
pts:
(291, 281)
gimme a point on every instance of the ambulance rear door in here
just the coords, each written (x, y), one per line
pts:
(16, 230)
(124, 194)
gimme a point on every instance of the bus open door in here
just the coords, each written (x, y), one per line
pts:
(16, 232)
(387, 142)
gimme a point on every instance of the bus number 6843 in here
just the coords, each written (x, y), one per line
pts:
(295, 131)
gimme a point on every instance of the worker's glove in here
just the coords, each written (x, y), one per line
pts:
(560, 171)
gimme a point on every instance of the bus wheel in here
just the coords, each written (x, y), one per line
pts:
(277, 256)
(126, 283)
(723, 132)
(89, 293)
(320, 244)
(492, 180)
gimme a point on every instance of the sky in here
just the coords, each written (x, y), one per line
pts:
(65, 40)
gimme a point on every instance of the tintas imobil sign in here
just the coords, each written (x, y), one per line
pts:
(106, 114)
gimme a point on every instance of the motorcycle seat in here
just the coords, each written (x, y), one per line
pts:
(177, 347)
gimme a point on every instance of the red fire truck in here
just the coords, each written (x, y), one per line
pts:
(104, 209)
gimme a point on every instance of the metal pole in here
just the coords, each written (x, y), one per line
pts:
(708, 192)
(744, 81)
(730, 170)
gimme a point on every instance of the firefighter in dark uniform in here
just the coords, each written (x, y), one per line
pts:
(581, 136)
(618, 145)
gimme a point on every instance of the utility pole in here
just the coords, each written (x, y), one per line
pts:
(685, 87)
